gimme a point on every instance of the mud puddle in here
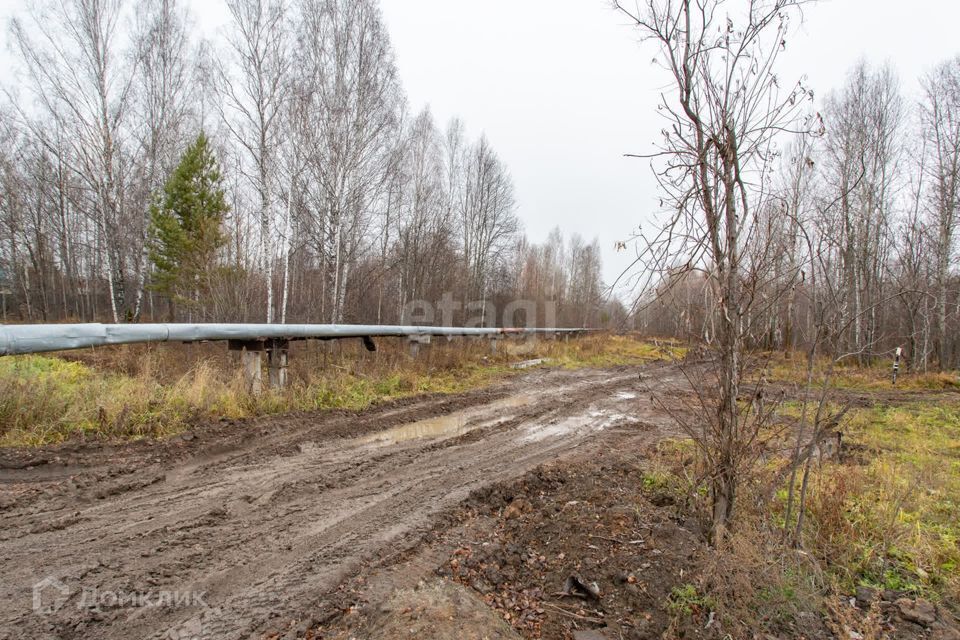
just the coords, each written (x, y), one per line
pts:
(450, 425)
(594, 420)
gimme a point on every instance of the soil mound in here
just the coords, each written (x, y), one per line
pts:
(438, 610)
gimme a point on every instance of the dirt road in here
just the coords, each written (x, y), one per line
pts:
(221, 532)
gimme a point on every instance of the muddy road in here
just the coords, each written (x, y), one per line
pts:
(224, 531)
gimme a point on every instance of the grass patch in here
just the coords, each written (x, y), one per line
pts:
(46, 399)
(894, 521)
(886, 515)
(610, 351)
(685, 600)
(876, 377)
(128, 393)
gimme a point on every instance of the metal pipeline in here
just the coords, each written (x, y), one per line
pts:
(39, 338)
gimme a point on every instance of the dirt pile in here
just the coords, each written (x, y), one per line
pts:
(579, 547)
(896, 615)
(438, 610)
(596, 547)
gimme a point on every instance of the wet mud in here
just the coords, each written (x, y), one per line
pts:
(233, 530)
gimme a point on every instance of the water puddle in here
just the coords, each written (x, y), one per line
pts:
(539, 432)
(595, 420)
(452, 424)
(626, 395)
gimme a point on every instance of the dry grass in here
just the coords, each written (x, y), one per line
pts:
(886, 515)
(876, 377)
(848, 622)
(889, 516)
(155, 391)
(750, 580)
(47, 399)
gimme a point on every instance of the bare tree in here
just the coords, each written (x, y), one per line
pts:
(940, 115)
(342, 205)
(911, 268)
(863, 150)
(78, 80)
(424, 226)
(160, 89)
(253, 95)
(723, 113)
(487, 216)
(355, 98)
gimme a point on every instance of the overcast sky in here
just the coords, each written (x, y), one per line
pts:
(563, 89)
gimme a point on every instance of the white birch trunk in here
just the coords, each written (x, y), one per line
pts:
(286, 255)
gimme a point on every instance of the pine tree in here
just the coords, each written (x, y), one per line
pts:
(186, 225)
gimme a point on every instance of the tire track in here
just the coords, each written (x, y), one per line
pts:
(267, 528)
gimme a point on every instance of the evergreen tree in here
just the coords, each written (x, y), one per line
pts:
(186, 225)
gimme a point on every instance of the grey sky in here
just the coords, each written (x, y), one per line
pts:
(562, 88)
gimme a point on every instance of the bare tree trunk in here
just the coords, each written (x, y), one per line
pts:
(266, 246)
(286, 253)
(718, 130)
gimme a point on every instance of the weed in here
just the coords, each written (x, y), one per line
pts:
(684, 600)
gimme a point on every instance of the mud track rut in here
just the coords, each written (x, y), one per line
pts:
(264, 526)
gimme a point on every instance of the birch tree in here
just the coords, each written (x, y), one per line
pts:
(333, 191)
(940, 117)
(253, 95)
(424, 228)
(863, 152)
(355, 99)
(487, 216)
(161, 88)
(78, 79)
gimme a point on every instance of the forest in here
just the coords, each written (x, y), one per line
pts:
(852, 231)
(339, 204)
(334, 201)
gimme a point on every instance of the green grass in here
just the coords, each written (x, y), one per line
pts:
(47, 399)
(886, 515)
(684, 600)
(893, 521)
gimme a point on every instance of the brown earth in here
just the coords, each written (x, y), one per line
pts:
(603, 515)
(434, 517)
(439, 610)
(517, 544)
(258, 528)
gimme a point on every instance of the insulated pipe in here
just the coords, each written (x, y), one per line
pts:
(38, 338)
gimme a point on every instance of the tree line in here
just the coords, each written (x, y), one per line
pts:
(824, 228)
(856, 223)
(277, 174)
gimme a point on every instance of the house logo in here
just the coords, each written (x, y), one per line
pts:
(49, 595)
